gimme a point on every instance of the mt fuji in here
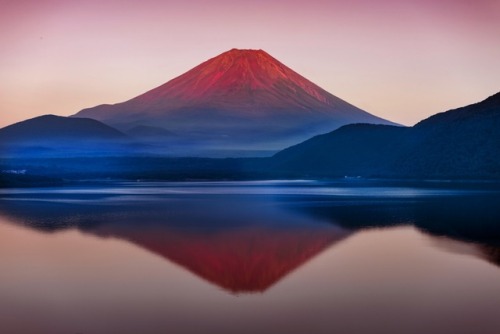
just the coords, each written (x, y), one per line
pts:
(240, 100)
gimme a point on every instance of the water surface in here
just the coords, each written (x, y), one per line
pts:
(250, 257)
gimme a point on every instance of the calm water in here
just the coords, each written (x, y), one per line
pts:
(250, 257)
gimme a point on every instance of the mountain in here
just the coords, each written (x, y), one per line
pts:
(147, 132)
(352, 150)
(460, 143)
(49, 127)
(239, 100)
(51, 133)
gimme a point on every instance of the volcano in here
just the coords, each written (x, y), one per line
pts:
(239, 100)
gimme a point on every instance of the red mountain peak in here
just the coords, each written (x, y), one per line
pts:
(236, 95)
(239, 78)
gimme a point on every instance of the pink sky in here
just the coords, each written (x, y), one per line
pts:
(399, 59)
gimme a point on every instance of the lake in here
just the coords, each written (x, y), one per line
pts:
(251, 257)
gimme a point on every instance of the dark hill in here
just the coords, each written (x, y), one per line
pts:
(460, 143)
(51, 135)
(50, 127)
(351, 150)
(481, 111)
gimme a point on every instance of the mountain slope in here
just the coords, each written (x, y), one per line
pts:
(235, 99)
(351, 150)
(464, 142)
(145, 131)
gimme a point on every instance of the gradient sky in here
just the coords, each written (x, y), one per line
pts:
(399, 59)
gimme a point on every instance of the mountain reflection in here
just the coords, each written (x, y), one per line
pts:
(472, 219)
(238, 260)
(246, 244)
(240, 245)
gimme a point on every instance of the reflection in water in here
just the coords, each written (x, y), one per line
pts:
(490, 253)
(242, 260)
(473, 219)
(360, 260)
(248, 242)
(239, 244)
